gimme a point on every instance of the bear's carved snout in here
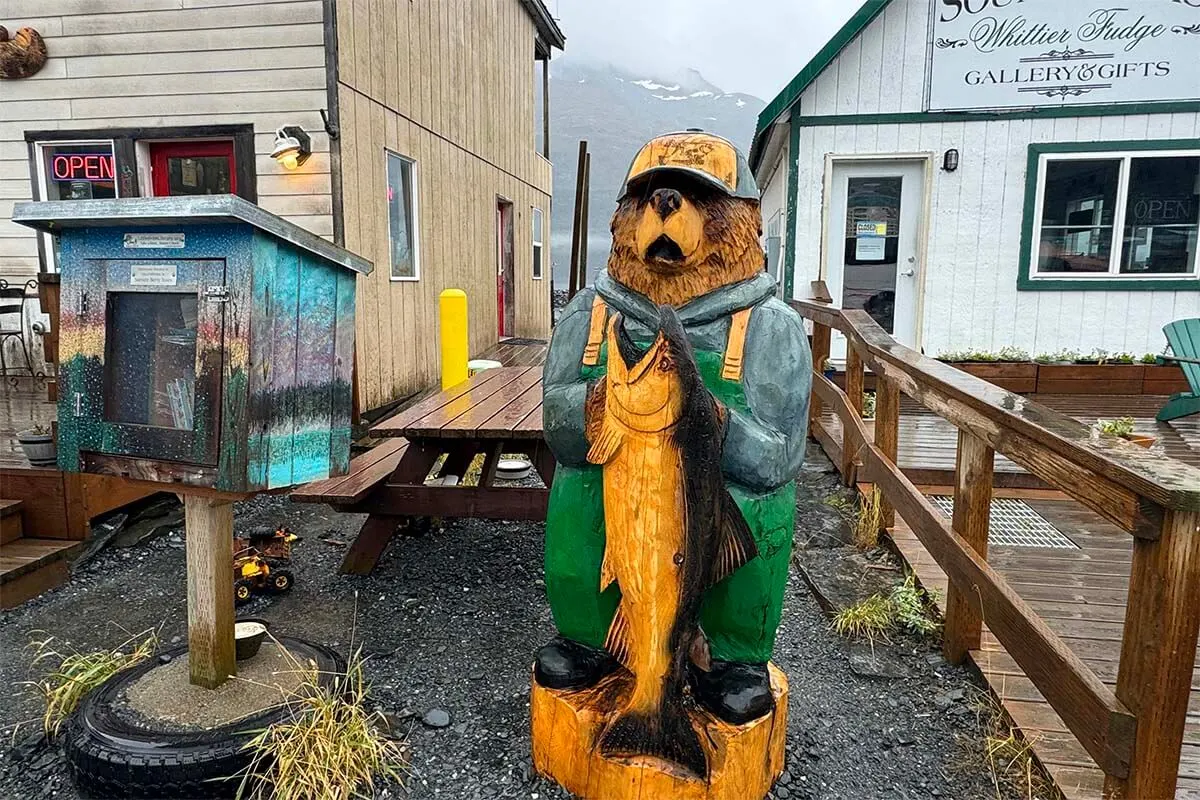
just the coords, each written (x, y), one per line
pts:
(666, 202)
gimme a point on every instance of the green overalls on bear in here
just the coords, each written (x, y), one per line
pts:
(740, 615)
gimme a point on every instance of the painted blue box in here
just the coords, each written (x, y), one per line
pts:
(203, 341)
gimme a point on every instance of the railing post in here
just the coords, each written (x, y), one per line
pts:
(820, 355)
(887, 435)
(972, 514)
(1158, 650)
(854, 391)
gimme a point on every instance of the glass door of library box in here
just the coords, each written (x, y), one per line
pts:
(163, 328)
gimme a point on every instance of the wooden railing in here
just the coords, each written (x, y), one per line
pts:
(1135, 733)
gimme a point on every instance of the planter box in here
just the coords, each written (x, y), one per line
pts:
(1164, 380)
(1020, 377)
(1090, 379)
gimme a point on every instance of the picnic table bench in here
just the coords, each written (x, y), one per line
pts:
(494, 412)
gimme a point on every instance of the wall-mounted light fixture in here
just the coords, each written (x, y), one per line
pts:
(950, 160)
(292, 146)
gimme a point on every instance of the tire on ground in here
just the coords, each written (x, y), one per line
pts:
(111, 756)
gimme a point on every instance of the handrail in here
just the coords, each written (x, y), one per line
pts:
(1036, 437)
(1134, 733)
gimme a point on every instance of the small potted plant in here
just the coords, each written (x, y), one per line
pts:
(868, 405)
(1123, 427)
(38, 444)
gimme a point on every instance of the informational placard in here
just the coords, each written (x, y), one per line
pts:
(991, 54)
(153, 275)
(155, 241)
(870, 242)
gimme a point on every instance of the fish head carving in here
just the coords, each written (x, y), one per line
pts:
(646, 395)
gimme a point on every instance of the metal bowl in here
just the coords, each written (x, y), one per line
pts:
(248, 635)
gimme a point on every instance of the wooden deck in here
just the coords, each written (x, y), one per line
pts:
(517, 352)
(1081, 594)
(928, 442)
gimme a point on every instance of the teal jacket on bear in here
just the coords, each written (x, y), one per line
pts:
(764, 445)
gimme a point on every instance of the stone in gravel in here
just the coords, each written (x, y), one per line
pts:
(164, 658)
(45, 761)
(876, 662)
(476, 676)
(956, 695)
(436, 718)
(785, 778)
(782, 792)
(942, 701)
(29, 745)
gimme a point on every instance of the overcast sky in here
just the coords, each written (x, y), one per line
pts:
(751, 46)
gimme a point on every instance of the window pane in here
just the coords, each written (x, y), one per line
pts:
(537, 261)
(1081, 194)
(1162, 217)
(400, 216)
(537, 225)
(199, 175)
(1075, 250)
(79, 171)
(150, 366)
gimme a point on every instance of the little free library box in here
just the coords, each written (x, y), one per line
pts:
(204, 342)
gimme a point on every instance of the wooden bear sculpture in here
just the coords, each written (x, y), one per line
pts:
(676, 403)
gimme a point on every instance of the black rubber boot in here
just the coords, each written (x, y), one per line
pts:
(735, 692)
(567, 664)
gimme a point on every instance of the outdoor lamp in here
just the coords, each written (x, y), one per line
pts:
(950, 161)
(292, 146)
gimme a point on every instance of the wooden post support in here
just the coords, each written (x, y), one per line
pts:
(887, 436)
(209, 524)
(1158, 649)
(574, 284)
(854, 391)
(972, 514)
(820, 355)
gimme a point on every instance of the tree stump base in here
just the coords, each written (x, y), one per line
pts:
(744, 760)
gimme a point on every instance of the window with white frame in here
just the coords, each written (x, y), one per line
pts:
(537, 244)
(1125, 215)
(402, 217)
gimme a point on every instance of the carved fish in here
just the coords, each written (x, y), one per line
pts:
(672, 531)
(22, 55)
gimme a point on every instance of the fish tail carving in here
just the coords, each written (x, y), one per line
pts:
(665, 732)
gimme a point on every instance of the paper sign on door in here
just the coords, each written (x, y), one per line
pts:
(870, 243)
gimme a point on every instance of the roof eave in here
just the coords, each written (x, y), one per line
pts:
(778, 107)
(548, 33)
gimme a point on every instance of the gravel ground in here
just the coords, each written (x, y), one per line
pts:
(450, 621)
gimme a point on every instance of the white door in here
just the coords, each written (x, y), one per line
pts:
(873, 255)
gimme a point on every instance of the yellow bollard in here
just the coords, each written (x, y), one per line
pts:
(453, 316)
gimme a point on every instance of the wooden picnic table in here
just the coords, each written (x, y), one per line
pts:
(496, 411)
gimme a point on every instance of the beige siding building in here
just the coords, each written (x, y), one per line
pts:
(420, 119)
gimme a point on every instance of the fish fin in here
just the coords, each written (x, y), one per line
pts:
(665, 732)
(737, 545)
(617, 641)
(607, 443)
(607, 576)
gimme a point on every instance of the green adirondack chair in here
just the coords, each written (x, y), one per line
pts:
(1183, 337)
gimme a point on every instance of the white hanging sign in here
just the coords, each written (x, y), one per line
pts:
(987, 54)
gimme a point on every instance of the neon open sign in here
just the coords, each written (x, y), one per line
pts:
(83, 167)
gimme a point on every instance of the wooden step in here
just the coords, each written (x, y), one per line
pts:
(11, 521)
(31, 566)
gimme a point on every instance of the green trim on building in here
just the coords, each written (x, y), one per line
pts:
(1027, 284)
(793, 201)
(1054, 112)
(791, 93)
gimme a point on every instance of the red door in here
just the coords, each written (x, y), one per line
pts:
(505, 271)
(183, 168)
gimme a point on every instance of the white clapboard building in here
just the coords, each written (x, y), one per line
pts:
(981, 174)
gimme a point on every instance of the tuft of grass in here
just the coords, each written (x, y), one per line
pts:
(839, 502)
(1008, 754)
(871, 619)
(911, 607)
(74, 674)
(331, 749)
(905, 608)
(870, 517)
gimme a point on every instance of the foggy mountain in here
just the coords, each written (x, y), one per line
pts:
(617, 112)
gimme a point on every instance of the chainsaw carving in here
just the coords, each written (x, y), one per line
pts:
(676, 396)
(22, 55)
